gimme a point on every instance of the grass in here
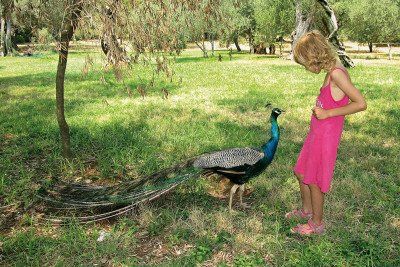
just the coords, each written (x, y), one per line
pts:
(217, 105)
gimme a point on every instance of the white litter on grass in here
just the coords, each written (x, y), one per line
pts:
(102, 236)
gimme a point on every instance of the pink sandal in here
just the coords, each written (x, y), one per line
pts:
(308, 229)
(298, 214)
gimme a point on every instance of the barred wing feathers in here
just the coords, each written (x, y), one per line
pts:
(229, 158)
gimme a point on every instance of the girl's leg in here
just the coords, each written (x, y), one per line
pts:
(314, 225)
(317, 200)
(305, 194)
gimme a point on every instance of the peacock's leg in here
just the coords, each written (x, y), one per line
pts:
(242, 204)
(233, 191)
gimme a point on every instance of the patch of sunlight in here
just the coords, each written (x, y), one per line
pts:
(381, 81)
(249, 240)
(267, 61)
(254, 225)
(197, 221)
(395, 223)
(376, 62)
(19, 90)
(103, 118)
(224, 222)
(390, 142)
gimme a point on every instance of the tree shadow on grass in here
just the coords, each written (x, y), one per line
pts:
(37, 80)
(224, 53)
(92, 85)
(43, 79)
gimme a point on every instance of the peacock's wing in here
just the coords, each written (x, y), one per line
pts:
(229, 158)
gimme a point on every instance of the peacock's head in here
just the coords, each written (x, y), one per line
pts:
(276, 112)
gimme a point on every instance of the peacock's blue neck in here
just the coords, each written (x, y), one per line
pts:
(269, 148)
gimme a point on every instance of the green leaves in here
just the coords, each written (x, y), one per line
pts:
(273, 19)
(373, 21)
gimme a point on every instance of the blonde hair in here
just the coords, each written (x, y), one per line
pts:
(313, 49)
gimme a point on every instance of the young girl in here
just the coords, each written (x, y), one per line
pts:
(316, 162)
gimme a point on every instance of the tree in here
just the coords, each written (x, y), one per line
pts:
(274, 19)
(244, 24)
(23, 22)
(1, 31)
(305, 13)
(318, 14)
(373, 22)
(331, 26)
(8, 8)
(208, 19)
(224, 23)
(147, 27)
(27, 17)
(239, 23)
(62, 18)
(248, 31)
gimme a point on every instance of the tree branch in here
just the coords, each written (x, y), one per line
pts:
(333, 36)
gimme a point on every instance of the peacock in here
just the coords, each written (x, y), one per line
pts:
(238, 165)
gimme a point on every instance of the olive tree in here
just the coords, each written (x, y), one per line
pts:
(142, 27)
(209, 19)
(7, 7)
(274, 20)
(373, 22)
(319, 14)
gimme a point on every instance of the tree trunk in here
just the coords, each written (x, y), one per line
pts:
(390, 51)
(8, 44)
(202, 48)
(251, 42)
(62, 123)
(111, 46)
(236, 41)
(104, 46)
(370, 46)
(66, 35)
(333, 36)
(212, 44)
(205, 54)
(303, 24)
(272, 49)
(2, 37)
(260, 49)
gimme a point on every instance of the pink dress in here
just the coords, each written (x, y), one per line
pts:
(317, 158)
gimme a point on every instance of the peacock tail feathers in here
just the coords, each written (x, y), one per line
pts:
(90, 203)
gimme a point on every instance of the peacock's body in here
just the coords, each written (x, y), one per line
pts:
(239, 165)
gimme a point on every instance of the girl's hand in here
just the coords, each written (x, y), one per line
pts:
(320, 113)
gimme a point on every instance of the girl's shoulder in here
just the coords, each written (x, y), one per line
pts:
(337, 69)
(339, 73)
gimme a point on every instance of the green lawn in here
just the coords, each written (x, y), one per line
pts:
(218, 105)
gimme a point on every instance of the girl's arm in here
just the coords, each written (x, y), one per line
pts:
(357, 103)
